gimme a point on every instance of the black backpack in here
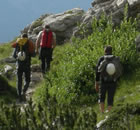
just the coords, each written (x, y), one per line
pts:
(108, 60)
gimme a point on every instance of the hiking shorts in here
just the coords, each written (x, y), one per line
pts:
(107, 89)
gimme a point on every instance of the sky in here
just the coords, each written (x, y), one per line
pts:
(17, 14)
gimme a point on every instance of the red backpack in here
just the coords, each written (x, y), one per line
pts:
(46, 39)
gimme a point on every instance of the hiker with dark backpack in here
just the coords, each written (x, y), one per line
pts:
(46, 41)
(24, 50)
(108, 72)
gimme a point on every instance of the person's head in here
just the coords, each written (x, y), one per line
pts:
(47, 28)
(24, 35)
(108, 50)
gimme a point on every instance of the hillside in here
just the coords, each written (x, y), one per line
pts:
(71, 94)
(66, 98)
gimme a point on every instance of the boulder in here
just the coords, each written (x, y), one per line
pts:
(7, 68)
(62, 24)
(8, 71)
(65, 24)
(109, 7)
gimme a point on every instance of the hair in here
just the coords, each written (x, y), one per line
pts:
(24, 35)
(108, 50)
(47, 26)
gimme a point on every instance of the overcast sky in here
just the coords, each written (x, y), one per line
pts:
(16, 14)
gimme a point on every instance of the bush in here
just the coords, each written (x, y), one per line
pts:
(40, 117)
(73, 71)
(128, 119)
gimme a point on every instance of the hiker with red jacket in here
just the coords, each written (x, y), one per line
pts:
(46, 41)
(24, 50)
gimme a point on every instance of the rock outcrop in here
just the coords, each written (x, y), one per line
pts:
(111, 7)
(65, 24)
(62, 24)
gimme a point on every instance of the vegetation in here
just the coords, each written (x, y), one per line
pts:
(67, 99)
(73, 67)
(5, 50)
(7, 87)
(36, 23)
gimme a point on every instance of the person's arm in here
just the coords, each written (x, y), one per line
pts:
(31, 47)
(54, 41)
(38, 41)
(14, 44)
(97, 79)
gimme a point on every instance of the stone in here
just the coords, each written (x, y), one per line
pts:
(8, 60)
(7, 68)
(62, 24)
(36, 68)
(65, 24)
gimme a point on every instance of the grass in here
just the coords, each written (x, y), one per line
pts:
(9, 95)
(5, 50)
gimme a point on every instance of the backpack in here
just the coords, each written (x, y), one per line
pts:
(46, 39)
(21, 52)
(110, 68)
(25, 47)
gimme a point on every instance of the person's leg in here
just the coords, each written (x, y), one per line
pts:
(102, 107)
(42, 58)
(19, 82)
(102, 95)
(111, 93)
(48, 58)
(43, 64)
(109, 108)
(27, 80)
(48, 64)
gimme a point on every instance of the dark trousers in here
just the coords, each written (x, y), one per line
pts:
(46, 58)
(109, 89)
(27, 74)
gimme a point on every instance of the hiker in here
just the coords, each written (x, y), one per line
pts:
(46, 41)
(24, 49)
(108, 71)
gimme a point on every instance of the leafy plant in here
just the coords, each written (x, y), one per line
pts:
(73, 71)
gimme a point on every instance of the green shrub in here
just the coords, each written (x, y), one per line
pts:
(5, 50)
(7, 91)
(128, 119)
(40, 117)
(36, 23)
(73, 71)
